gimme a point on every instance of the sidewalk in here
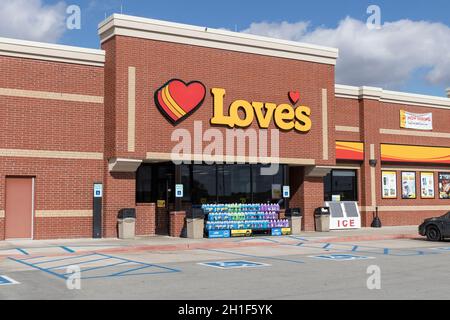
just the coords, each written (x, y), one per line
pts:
(165, 243)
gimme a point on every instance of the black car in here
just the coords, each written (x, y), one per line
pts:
(436, 229)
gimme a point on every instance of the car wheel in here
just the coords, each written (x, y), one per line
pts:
(433, 233)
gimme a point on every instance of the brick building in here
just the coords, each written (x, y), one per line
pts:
(73, 117)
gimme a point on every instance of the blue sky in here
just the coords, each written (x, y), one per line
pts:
(422, 72)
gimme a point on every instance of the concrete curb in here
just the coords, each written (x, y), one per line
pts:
(229, 244)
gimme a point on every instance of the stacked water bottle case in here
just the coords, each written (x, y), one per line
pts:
(225, 220)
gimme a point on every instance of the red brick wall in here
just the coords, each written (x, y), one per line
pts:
(177, 224)
(244, 76)
(119, 193)
(53, 125)
(2, 229)
(145, 219)
(63, 228)
(306, 193)
(373, 116)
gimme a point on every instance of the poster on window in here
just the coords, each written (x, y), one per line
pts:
(408, 185)
(389, 184)
(427, 185)
(276, 191)
(444, 185)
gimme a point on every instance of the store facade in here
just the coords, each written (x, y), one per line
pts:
(164, 105)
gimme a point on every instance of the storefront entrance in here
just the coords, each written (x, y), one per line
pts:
(202, 184)
(155, 184)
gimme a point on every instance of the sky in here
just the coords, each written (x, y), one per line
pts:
(409, 51)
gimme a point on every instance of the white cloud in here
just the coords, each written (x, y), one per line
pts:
(32, 20)
(387, 57)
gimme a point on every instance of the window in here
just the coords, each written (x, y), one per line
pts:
(204, 184)
(155, 182)
(262, 184)
(234, 183)
(341, 183)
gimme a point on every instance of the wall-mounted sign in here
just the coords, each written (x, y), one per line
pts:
(276, 191)
(427, 185)
(418, 121)
(409, 185)
(179, 193)
(444, 185)
(286, 192)
(161, 203)
(177, 100)
(417, 154)
(389, 184)
(98, 190)
(285, 116)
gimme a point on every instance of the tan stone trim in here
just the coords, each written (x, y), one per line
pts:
(131, 108)
(325, 124)
(347, 129)
(50, 95)
(423, 169)
(51, 52)
(157, 156)
(373, 93)
(406, 208)
(2, 213)
(63, 213)
(344, 167)
(124, 25)
(415, 133)
(51, 154)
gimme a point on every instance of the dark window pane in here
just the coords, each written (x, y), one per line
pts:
(203, 184)
(342, 183)
(144, 184)
(234, 183)
(262, 184)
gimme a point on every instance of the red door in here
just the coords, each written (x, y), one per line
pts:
(19, 208)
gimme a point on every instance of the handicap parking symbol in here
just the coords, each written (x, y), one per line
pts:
(4, 280)
(341, 257)
(234, 264)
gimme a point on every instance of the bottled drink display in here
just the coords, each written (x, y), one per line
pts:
(239, 216)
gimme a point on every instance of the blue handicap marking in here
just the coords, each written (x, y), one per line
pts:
(4, 280)
(234, 264)
(442, 248)
(341, 257)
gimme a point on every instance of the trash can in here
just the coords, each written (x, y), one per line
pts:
(322, 219)
(195, 223)
(127, 223)
(294, 216)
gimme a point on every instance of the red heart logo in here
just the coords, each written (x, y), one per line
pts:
(294, 96)
(177, 100)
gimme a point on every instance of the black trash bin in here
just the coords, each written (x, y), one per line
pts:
(126, 220)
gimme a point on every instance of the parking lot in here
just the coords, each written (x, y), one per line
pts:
(272, 268)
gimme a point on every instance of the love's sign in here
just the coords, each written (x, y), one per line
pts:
(177, 100)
